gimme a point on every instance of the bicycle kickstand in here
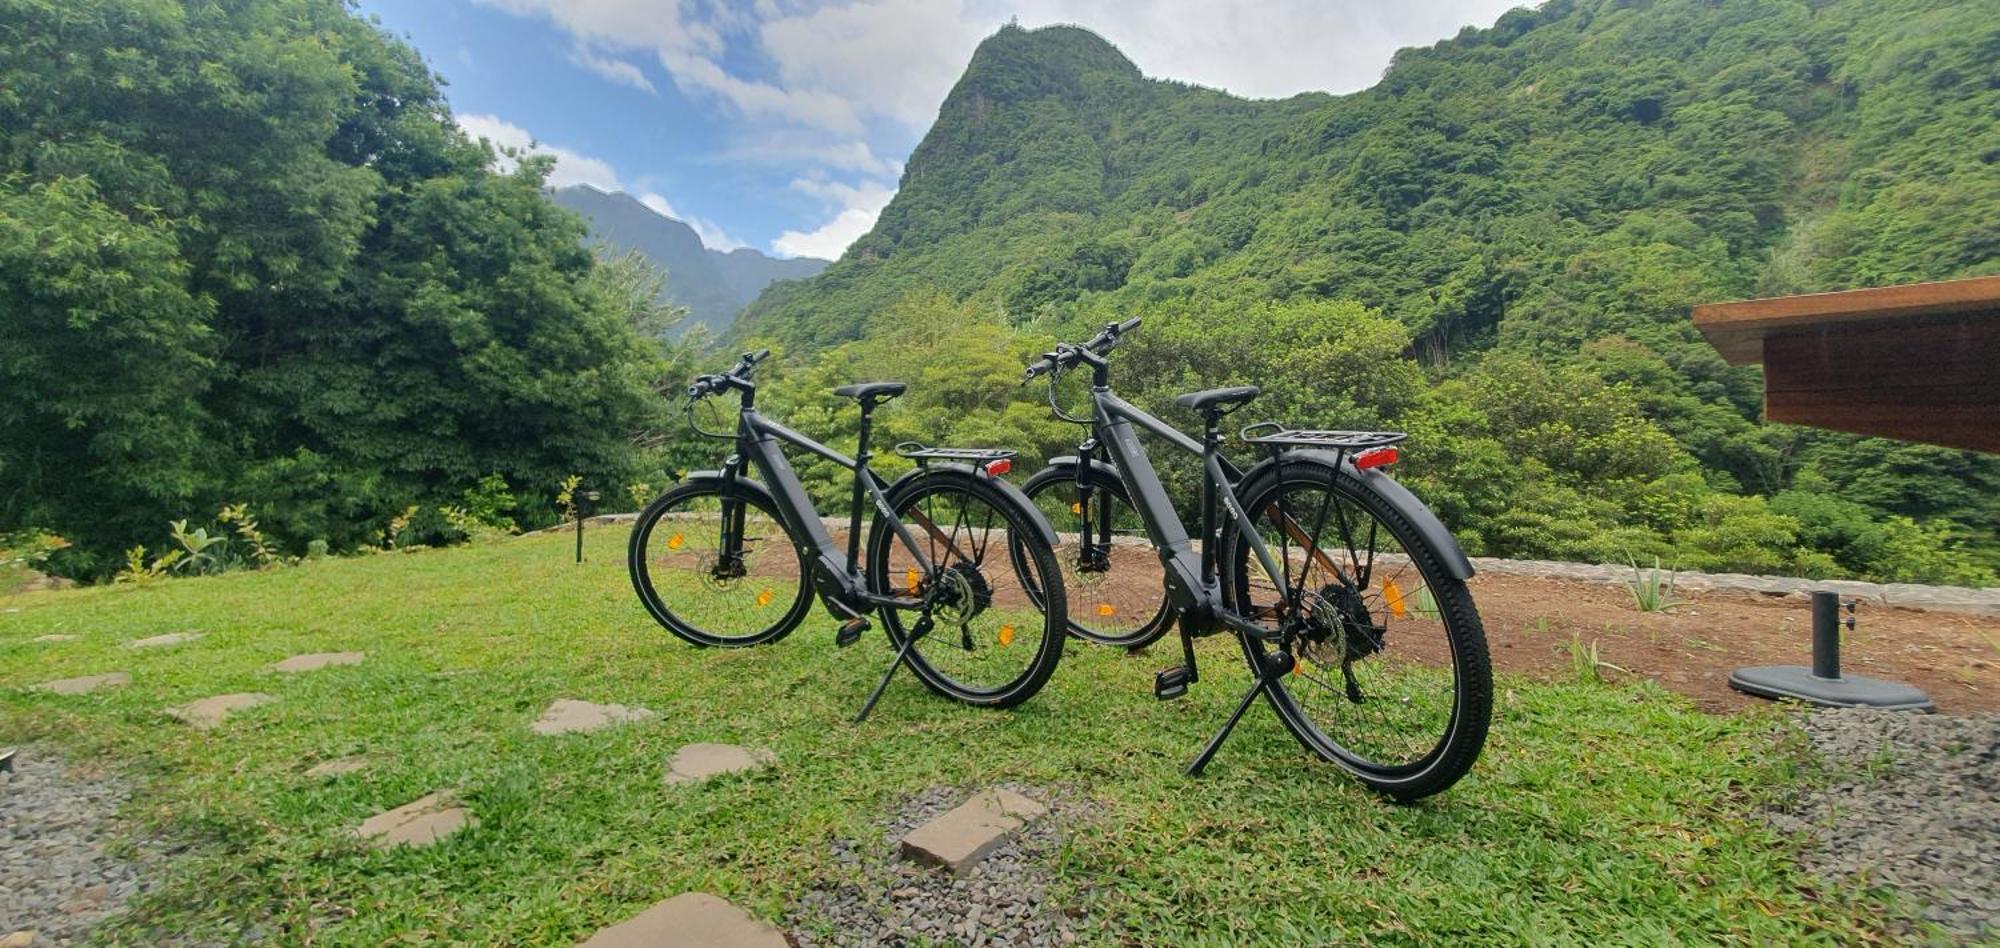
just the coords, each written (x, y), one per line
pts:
(1272, 666)
(917, 631)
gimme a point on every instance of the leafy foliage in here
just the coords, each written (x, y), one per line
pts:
(245, 254)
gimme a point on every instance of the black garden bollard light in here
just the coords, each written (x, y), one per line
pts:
(1823, 684)
(583, 500)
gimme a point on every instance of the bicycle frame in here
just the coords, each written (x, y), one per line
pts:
(1193, 583)
(836, 573)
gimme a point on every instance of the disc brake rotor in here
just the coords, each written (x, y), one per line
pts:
(960, 593)
(719, 573)
(1322, 635)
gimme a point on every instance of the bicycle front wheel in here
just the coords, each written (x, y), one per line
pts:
(1116, 585)
(1392, 680)
(981, 637)
(715, 565)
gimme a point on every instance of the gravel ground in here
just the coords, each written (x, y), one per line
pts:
(57, 877)
(882, 900)
(1914, 804)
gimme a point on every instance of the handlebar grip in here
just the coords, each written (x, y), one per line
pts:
(752, 358)
(1041, 367)
(1129, 325)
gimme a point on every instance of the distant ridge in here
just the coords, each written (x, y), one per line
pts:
(712, 284)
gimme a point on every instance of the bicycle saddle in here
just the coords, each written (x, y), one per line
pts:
(875, 390)
(1217, 397)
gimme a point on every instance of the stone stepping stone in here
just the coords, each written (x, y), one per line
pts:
(567, 716)
(208, 713)
(417, 823)
(694, 763)
(316, 661)
(962, 837)
(55, 637)
(20, 939)
(162, 641)
(86, 684)
(337, 767)
(689, 919)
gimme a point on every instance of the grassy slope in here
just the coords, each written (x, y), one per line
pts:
(1597, 815)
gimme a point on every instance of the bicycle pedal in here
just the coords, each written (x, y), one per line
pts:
(850, 632)
(1172, 682)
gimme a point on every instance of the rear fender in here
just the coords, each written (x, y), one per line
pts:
(1395, 495)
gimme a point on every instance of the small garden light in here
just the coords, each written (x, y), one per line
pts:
(585, 500)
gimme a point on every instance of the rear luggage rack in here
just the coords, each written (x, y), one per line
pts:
(915, 450)
(1277, 435)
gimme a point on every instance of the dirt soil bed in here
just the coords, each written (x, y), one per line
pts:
(1533, 624)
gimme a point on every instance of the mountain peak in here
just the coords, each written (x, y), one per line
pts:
(1015, 64)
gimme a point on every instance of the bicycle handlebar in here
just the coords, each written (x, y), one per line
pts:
(1067, 354)
(706, 385)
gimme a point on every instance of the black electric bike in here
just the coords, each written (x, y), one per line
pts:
(724, 560)
(1347, 595)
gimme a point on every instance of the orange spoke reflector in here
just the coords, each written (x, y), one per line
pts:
(764, 598)
(1393, 595)
(674, 542)
(1295, 664)
(1006, 635)
(1076, 508)
(910, 579)
(1106, 609)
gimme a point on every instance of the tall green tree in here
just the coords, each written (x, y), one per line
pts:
(250, 257)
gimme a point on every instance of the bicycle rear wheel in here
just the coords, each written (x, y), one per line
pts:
(715, 565)
(1115, 583)
(1392, 680)
(981, 637)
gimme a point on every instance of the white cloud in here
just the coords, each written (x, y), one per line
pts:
(616, 70)
(895, 58)
(858, 207)
(571, 167)
(1266, 48)
(816, 108)
(689, 44)
(830, 240)
(798, 148)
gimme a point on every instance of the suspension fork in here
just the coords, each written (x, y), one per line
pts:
(733, 515)
(1086, 549)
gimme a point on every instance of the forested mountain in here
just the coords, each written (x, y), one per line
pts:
(1524, 216)
(713, 285)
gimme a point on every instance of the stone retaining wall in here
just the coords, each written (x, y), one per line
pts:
(1985, 602)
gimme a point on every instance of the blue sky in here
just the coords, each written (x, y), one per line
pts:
(783, 124)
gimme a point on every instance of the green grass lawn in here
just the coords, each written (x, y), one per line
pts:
(1597, 815)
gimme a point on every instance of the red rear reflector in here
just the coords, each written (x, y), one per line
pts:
(1375, 457)
(997, 468)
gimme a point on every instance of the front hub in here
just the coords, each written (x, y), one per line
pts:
(720, 572)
